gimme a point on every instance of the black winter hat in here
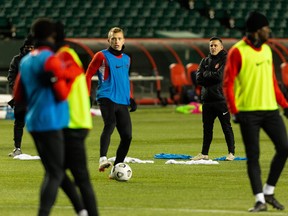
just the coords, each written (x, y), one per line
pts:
(60, 33)
(255, 21)
(29, 40)
(42, 28)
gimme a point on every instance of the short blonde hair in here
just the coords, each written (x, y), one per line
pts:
(114, 30)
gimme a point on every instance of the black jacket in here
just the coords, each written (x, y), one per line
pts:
(14, 69)
(209, 75)
(14, 64)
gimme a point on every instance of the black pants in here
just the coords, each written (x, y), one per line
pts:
(50, 146)
(115, 115)
(209, 113)
(76, 161)
(273, 125)
(51, 151)
(19, 123)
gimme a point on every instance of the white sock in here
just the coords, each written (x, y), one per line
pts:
(268, 189)
(103, 158)
(260, 197)
(83, 212)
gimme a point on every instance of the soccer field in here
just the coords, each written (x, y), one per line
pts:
(155, 189)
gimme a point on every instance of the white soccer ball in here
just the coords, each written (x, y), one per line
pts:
(122, 172)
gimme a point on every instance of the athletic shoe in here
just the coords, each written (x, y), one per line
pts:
(230, 157)
(111, 174)
(104, 164)
(200, 156)
(16, 151)
(270, 199)
(259, 206)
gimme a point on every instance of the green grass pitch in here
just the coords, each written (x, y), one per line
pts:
(154, 189)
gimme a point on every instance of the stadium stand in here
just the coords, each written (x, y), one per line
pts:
(203, 17)
(178, 79)
(148, 24)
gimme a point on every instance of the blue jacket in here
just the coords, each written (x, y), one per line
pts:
(44, 112)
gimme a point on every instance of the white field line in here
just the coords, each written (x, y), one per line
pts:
(188, 210)
(170, 210)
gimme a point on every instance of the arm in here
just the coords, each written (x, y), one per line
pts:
(231, 71)
(72, 63)
(93, 67)
(280, 98)
(61, 84)
(19, 94)
(216, 76)
(199, 73)
(13, 71)
(133, 104)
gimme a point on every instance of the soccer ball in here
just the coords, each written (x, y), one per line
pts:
(122, 172)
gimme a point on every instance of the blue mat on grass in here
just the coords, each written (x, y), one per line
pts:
(183, 156)
(172, 156)
(224, 157)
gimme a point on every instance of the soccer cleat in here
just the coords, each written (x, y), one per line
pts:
(259, 206)
(200, 156)
(16, 151)
(104, 164)
(270, 199)
(230, 157)
(112, 174)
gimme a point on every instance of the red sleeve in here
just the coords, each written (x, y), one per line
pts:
(61, 87)
(72, 69)
(131, 86)
(232, 68)
(18, 92)
(280, 98)
(93, 67)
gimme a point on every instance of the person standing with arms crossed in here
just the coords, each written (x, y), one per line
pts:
(19, 109)
(113, 95)
(252, 94)
(209, 75)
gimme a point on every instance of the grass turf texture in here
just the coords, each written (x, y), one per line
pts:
(154, 189)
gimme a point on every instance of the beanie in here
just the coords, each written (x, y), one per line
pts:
(29, 40)
(60, 34)
(42, 28)
(255, 21)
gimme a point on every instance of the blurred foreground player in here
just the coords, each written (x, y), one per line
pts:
(47, 110)
(253, 95)
(80, 122)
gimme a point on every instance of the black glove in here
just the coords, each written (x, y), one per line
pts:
(236, 118)
(286, 112)
(47, 78)
(133, 105)
(11, 103)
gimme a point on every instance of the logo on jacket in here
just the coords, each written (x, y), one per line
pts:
(259, 63)
(217, 66)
